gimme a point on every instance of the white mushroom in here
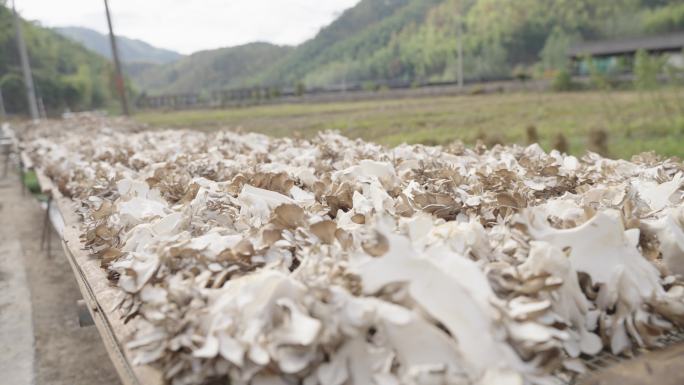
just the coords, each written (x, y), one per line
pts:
(336, 261)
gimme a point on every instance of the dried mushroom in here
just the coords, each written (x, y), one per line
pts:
(336, 261)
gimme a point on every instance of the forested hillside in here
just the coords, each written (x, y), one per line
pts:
(414, 41)
(130, 50)
(211, 70)
(66, 74)
(349, 41)
(411, 41)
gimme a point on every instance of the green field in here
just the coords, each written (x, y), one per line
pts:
(635, 121)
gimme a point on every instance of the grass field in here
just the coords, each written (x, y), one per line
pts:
(635, 121)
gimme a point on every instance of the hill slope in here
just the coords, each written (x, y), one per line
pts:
(211, 70)
(347, 49)
(131, 50)
(416, 41)
(66, 74)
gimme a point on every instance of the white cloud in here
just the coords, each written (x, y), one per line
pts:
(192, 25)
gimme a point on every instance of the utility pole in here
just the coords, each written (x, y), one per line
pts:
(41, 108)
(120, 85)
(25, 67)
(460, 43)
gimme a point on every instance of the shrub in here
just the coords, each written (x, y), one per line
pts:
(300, 89)
(646, 70)
(493, 139)
(598, 141)
(369, 86)
(477, 90)
(597, 74)
(562, 82)
(521, 74)
(532, 134)
(31, 182)
(560, 143)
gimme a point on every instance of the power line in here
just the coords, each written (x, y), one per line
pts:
(120, 85)
(25, 67)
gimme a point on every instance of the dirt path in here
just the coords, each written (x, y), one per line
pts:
(64, 353)
(16, 330)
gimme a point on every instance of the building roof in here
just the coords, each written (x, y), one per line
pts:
(662, 43)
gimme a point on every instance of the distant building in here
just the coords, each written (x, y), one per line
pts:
(618, 54)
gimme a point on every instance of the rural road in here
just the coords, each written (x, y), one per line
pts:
(39, 332)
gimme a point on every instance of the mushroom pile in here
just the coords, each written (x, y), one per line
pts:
(332, 261)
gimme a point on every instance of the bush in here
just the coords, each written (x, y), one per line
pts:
(369, 86)
(300, 89)
(532, 134)
(563, 82)
(598, 141)
(521, 74)
(494, 139)
(274, 92)
(429, 142)
(31, 182)
(477, 90)
(646, 70)
(560, 143)
(598, 75)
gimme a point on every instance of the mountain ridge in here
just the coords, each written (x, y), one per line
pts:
(415, 41)
(211, 70)
(130, 50)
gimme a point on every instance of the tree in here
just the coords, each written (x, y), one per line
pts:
(554, 54)
(14, 93)
(597, 75)
(646, 70)
(65, 73)
(665, 19)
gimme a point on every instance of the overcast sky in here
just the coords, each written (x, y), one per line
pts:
(187, 26)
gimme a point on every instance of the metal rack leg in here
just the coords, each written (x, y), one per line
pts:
(22, 174)
(7, 159)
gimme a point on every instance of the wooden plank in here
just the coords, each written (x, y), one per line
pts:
(662, 367)
(99, 295)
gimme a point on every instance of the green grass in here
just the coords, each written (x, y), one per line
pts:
(636, 122)
(33, 186)
(31, 182)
